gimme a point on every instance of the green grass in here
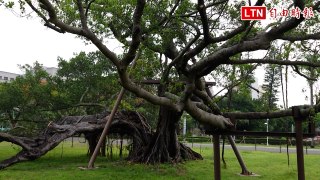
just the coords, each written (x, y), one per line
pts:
(63, 163)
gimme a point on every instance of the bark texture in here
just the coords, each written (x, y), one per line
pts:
(125, 122)
(164, 145)
(146, 147)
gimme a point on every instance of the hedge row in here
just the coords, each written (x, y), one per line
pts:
(240, 139)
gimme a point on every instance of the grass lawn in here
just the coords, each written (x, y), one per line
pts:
(63, 162)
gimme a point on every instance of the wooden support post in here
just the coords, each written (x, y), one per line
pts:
(299, 141)
(240, 160)
(105, 130)
(216, 157)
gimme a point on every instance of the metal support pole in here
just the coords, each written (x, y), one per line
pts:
(105, 130)
(255, 144)
(216, 157)
(240, 160)
(267, 123)
(299, 142)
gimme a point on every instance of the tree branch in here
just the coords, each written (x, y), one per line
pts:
(301, 37)
(88, 7)
(202, 116)
(272, 61)
(16, 140)
(83, 17)
(208, 101)
(296, 69)
(287, 25)
(209, 63)
(47, 6)
(203, 44)
(140, 92)
(136, 33)
(208, 6)
(204, 19)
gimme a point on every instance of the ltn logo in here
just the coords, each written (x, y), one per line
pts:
(253, 12)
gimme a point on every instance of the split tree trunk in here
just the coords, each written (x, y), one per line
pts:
(164, 145)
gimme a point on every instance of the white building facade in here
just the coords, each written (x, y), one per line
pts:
(7, 76)
(52, 71)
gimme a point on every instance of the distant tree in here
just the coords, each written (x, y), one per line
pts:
(89, 84)
(87, 80)
(27, 102)
(270, 87)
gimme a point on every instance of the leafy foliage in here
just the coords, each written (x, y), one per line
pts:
(27, 101)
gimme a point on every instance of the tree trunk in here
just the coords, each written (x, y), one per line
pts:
(164, 145)
(92, 139)
(146, 147)
(125, 122)
(103, 147)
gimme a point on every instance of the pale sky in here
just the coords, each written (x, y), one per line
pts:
(24, 41)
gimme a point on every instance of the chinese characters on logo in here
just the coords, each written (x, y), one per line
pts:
(260, 13)
(307, 13)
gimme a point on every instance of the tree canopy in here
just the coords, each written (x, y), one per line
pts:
(178, 45)
(184, 40)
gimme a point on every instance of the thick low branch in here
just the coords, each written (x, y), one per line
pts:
(202, 116)
(305, 111)
(258, 115)
(300, 37)
(140, 92)
(272, 61)
(21, 141)
(208, 101)
(125, 122)
(209, 63)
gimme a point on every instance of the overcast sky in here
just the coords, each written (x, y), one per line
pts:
(24, 41)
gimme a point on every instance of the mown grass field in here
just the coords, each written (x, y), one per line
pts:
(63, 162)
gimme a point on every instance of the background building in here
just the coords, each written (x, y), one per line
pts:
(7, 76)
(52, 71)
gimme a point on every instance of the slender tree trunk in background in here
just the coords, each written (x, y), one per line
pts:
(103, 147)
(312, 75)
(270, 90)
(311, 85)
(285, 102)
(231, 89)
(282, 88)
(121, 143)
(286, 79)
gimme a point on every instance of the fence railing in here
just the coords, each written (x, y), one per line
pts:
(249, 140)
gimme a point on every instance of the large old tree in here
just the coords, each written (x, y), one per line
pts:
(190, 40)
